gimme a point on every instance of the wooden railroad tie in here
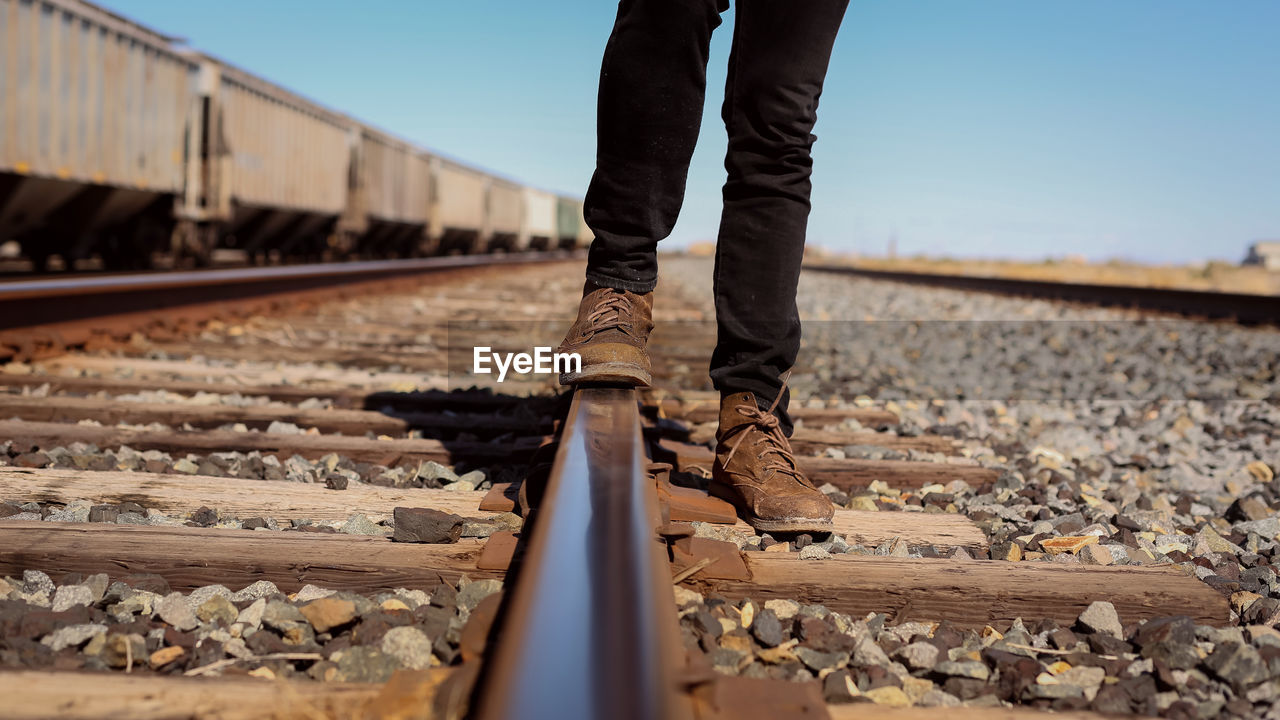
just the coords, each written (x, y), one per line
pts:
(967, 593)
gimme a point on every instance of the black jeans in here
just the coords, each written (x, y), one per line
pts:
(652, 85)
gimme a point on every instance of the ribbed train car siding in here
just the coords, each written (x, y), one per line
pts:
(89, 98)
(285, 153)
(568, 214)
(506, 207)
(539, 215)
(395, 180)
(458, 194)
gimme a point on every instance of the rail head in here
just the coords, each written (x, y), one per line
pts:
(591, 626)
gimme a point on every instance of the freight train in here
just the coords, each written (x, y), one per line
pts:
(121, 143)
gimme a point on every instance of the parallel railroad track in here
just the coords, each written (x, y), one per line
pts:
(584, 625)
(1239, 307)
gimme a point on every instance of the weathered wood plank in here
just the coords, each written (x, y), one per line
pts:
(382, 452)
(849, 473)
(180, 494)
(260, 417)
(807, 441)
(189, 558)
(343, 397)
(973, 593)
(245, 374)
(32, 695)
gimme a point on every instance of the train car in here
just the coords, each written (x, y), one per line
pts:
(116, 142)
(505, 218)
(391, 200)
(92, 141)
(459, 196)
(273, 172)
(568, 219)
(539, 228)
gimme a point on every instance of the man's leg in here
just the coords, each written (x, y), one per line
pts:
(652, 83)
(776, 70)
(779, 59)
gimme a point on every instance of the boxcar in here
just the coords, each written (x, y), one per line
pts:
(506, 215)
(458, 199)
(391, 203)
(568, 217)
(539, 227)
(278, 174)
(92, 143)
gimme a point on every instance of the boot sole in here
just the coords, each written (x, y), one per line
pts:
(611, 372)
(796, 525)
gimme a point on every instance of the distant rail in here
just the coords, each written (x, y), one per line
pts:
(590, 631)
(31, 303)
(1247, 309)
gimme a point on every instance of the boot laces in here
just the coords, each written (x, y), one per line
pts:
(775, 452)
(611, 312)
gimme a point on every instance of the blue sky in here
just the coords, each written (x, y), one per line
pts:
(1143, 129)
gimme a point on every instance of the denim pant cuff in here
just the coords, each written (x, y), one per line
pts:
(634, 286)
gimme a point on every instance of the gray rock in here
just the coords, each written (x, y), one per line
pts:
(34, 581)
(176, 611)
(251, 616)
(470, 595)
(358, 524)
(939, 698)
(72, 635)
(363, 664)
(767, 629)
(69, 596)
(409, 645)
(97, 585)
(1267, 527)
(783, 608)
(430, 470)
(963, 669)
(131, 518)
(1054, 692)
(76, 512)
(201, 595)
(260, 589)
(1101, 617)
(866, 653)
(1237, 663)
(819, 661)
(186, 467)
(813, 552)
(311, 592)
(917, 655)
(282, 616)
(479, 528)
(217, 609)
(426, 525)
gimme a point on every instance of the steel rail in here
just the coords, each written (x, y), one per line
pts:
(1243, 308)
(590, 630)
(30, 303)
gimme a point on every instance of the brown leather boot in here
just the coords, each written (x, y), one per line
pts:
(755, 470)
(610, 334)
